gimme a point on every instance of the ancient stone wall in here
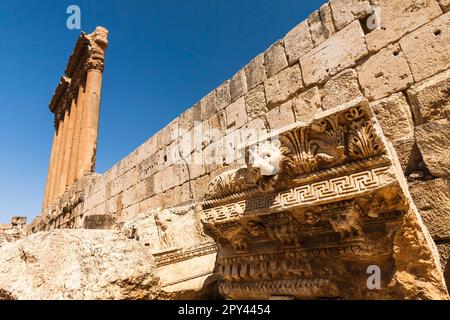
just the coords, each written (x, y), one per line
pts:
(339, 56)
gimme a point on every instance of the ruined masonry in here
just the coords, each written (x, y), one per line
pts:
(349, 169)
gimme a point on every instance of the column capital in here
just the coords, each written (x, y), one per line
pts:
(98, 42)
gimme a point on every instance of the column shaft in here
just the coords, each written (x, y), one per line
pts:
(59, 183)
(55, 167)
(68, 147)
(72, 174)
(89, 130)
(50, 170)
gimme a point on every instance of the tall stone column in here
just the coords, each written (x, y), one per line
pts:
(50, 170)
(68, 147)
(89, 136)
(73, 163)
(60, 184)
(89, 129)
(55, 168)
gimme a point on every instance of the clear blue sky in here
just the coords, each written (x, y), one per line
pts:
(163, 57)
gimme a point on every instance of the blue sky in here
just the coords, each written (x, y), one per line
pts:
(163, 57)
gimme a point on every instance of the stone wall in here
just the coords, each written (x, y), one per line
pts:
(333, 58)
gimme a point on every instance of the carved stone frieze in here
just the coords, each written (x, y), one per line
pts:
(314, 207)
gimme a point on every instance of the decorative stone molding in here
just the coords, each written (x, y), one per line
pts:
(334, 206)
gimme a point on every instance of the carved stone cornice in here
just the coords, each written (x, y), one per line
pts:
(314, 207)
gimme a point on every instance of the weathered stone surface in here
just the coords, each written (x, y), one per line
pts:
(208, 105)
(433, 139)
(255, 102)
(427, 49)
(394, 116)
(431, 98)
(385, 73)
(321, 24)
(298, 42)
(159, 230)
(254, 130)
(341, 89)
(407, 153)
(236, 115)
(275, 59)
(148, 148)
(283, 86)
(223, 96)
(99, 222)
(281, 116)
(335, 54)
(77, 264)
(444, 252)
(445, 5)
(399, 17)
(307, 105)
(346, 11)
(255, 72)
(238, 85)
(432, 198)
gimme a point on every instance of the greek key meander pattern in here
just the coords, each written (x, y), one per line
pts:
(198, 251)
(308, 194)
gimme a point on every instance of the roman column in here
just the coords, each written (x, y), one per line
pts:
(55, 170)
(68, 145)
(50, 169)
(71, 176)
(59, 187)
(91, 112)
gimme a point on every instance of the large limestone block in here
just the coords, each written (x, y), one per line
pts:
(394, 116)
(335, 54)
(399, 17)
(341, 89)
(445, 5)
(255, 72)
(346, 11)
(281, 116)
(432, 198)
(385, 73)
(307, 105)
(321, 24)
(238, 85)
(431, 98)
(284, 85)
(254, 130)
(208, 105)
(236, 115)
(298, 42)
(159, 230)
(147, 149)
(255, 102)
(407, 153)
(275, 59)
(223, 96)
(76, 264)
(427, 49)
(433, 139)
